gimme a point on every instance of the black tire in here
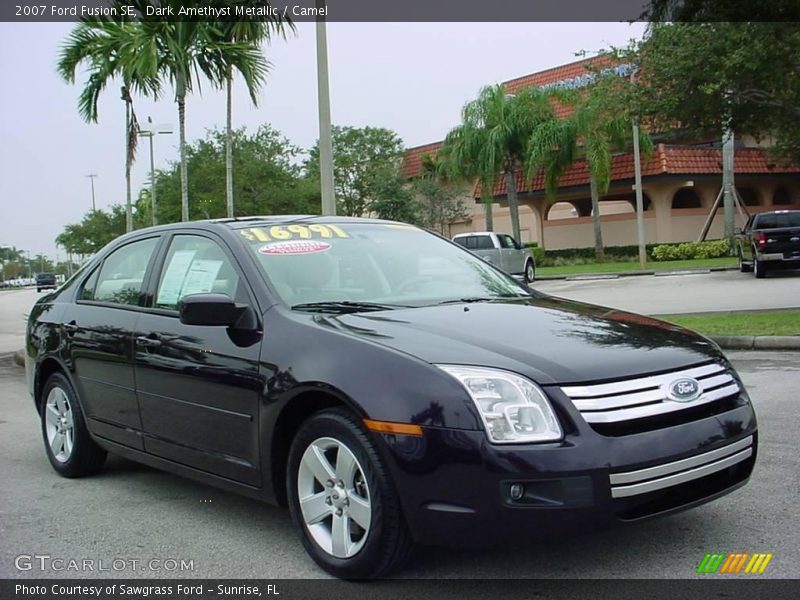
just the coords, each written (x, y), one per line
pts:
(85, 457)
(759, 268)
(743, 266)
(530, 272)
(387, 543)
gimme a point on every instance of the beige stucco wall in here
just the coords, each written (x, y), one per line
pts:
(662, 223)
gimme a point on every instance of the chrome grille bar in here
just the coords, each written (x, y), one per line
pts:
(643, 397)
(680, 471)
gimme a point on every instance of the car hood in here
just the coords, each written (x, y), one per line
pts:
(551, 340)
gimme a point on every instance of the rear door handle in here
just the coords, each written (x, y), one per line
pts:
(71, 328)
(148, 342)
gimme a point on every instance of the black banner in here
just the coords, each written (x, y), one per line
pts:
(324, 589)
(35, 11)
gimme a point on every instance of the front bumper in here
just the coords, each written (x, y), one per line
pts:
(455, 486)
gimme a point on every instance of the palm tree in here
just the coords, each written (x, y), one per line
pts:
(492, 141)
(598, 127)
(248, 32)
(111, 50)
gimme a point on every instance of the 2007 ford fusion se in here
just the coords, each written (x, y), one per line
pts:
(387, 385)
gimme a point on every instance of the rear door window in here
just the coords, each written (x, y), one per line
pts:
(122, 274)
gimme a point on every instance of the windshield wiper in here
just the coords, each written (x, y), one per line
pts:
(473, 299)
(343, 306)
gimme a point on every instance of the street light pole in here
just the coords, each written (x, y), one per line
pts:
(91, 177)
(150, 133)
(325, 136)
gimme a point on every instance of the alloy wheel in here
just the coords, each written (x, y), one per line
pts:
(59, 424)
(334, 497)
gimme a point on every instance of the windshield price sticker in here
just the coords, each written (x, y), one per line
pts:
(294, 247)
(292, 232)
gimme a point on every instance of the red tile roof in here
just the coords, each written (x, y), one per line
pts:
(412, 163)
(665, 160)
(560, 73)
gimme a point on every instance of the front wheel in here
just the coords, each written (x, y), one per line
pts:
(743, 266)
(343, 500)
(68, 445)
(530, 272)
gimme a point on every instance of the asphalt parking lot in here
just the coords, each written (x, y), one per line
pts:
(131, 512)
(673, 294)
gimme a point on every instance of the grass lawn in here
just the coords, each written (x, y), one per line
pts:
(616, 267)
(769, 322)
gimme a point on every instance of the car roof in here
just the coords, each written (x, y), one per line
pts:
(460, 235)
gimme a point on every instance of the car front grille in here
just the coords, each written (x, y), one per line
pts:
(641, 404)
(666, 475)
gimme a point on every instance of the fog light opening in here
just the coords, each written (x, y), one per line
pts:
(517, 491)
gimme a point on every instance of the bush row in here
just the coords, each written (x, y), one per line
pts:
(658, 252)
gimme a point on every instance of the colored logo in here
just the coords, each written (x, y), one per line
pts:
(735, 563)
(295, 247)
(684, 389)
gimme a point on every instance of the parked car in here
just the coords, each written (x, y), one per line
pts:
(45, 281)
(769, 240)
(501, 250)
(387, 385)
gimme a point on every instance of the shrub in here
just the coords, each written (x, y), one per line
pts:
(691, 250)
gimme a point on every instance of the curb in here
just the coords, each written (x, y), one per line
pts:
(758, 342)
(617, 275)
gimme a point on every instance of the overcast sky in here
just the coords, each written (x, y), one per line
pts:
(410, 77)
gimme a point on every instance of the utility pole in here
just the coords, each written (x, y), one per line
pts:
(325, 136)
(637, 170)
(728, 184)
(637, 173)
(91, 177)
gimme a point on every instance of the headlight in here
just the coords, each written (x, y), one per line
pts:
(514, 410)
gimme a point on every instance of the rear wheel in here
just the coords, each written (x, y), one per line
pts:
(530, 272)
(759, 267)
(343, 500)
(68, 445)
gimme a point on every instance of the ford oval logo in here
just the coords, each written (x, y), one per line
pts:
(685, 389)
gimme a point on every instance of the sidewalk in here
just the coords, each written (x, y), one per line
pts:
(617, 275)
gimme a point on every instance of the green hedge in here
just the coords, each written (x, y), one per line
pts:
(691, 250)
(657, 252)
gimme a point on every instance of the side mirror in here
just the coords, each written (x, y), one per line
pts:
(209, 309)
(737, 231)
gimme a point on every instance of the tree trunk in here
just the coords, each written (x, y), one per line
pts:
(487, 208)
(229, 147)
(513, 204)
(184, 169)
(128, 208)
(598, 232)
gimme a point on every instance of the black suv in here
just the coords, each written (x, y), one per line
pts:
(386, 384)
(45, 281)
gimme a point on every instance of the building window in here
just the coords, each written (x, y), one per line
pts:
(686, 198)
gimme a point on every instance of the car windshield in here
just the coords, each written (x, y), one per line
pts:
(385, 264)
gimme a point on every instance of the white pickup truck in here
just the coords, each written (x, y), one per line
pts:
(501, 250)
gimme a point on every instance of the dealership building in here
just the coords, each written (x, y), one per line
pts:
(681, 179)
